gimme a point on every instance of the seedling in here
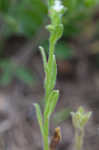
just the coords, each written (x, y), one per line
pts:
(56, 10)
(80, 119)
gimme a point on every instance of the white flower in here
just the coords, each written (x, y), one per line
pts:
(58, 6)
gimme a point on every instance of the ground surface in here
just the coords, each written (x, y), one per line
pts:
(23, 132)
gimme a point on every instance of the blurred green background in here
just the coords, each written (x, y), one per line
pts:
(23, 19)
(22, 31)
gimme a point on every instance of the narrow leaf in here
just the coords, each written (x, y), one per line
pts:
(54, 102)
(44, 57)
(48, 102)
(39, 118)
(51, 75)
(51, 103)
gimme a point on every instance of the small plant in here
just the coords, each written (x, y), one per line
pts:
(56, 10)
(79, 119)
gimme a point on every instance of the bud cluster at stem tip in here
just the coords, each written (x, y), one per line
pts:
(80, 118)
(56, 11)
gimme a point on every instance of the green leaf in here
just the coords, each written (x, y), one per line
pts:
(54, 102)
(7, 74)
(25, 75)
(51, 103)
(11, 23)
(24, 17)
(6, 77)
(4, 5)
(51, 75)
(61, 116)
(58, 32)
(50, 3)
(39, 118)
(44, 57)
(90, 3)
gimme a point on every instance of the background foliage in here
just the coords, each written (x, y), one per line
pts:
(25, 17)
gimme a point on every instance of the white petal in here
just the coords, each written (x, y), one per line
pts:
(58, 6)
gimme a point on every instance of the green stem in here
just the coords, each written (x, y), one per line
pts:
(46, 120)
(51, 48)
(50, 62)
(46, 145)
(79, 139)
(46, 132)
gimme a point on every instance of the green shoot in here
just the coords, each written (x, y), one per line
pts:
(80, 119)
(56, 10)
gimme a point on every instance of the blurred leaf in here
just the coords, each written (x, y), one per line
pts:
(26, 15)
(6, 77)
(78, 12)
(62, 115)
(29, 15)
(23, 74)
(4, 4)
(9, 70)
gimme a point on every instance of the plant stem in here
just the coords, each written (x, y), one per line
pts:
(46, 132)
(46, 145)
(46, 120)
(51, 47)
(56, 10)
(79, 139)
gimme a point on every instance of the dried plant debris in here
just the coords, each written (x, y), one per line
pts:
(55, 139)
